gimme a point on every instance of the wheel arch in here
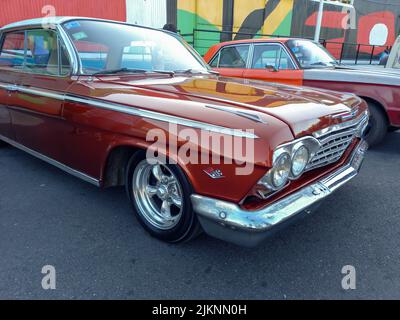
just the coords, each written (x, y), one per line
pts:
(115, 164)
(379, 105)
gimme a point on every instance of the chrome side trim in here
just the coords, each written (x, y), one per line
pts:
(241, 113)
(55, 163)
(228, 221)
(344, 125)
(70, 48)
(139, 112)
(163, 117)
(41, 93)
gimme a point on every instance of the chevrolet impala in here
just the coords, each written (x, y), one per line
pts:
(123, 105)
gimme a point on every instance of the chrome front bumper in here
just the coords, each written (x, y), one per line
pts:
(229, 222)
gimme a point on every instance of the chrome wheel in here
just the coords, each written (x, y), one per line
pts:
(158, 195)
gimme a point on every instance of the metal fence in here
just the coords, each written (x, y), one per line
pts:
(344, 52)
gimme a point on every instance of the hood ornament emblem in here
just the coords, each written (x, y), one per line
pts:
(346, 115)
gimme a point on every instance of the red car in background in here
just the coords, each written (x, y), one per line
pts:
(307, 63)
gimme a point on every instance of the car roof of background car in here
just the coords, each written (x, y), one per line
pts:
(282, 40)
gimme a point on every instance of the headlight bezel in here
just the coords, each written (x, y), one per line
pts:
(310, 143)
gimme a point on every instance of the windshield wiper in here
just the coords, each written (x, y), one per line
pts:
(129, 70)
(170, 73)
(119, 70)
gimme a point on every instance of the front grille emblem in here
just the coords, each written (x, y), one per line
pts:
(347, 115)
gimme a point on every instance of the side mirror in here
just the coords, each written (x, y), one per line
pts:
(271, 68)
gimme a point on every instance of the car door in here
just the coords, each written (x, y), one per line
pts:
(11, 63)
(36, 105)
(271, 62)
(232, 60)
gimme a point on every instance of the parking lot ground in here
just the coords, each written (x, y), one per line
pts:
(100, 251)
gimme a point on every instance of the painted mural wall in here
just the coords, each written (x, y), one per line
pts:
(374, 22)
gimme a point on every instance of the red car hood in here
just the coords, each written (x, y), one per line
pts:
(304, 110)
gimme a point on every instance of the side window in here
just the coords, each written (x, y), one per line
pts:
(271, 56)
(42, 52)
(45, 54)
(12, 52)
(37, 51)
(234, 57)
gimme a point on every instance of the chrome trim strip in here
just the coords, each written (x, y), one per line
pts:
(70, 48)
(41, 93)
(163, 117)
(53, 162)
(226, 220)
(357, 121)
(140, 112)
(241, 113)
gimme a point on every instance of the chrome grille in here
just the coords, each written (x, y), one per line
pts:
(335, 140)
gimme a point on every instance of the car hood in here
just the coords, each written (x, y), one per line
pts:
(304, 110)
(355, 74)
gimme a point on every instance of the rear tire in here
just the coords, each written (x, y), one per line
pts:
(161, 199)
(378, 125)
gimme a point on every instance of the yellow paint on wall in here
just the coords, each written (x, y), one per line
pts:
(275, 19)
(207, 10)
(212, 11)
(243, 8)
(187, 5)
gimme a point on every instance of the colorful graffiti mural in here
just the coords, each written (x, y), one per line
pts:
(375, 22)
(207, 22)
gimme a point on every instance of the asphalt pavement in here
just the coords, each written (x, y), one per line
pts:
(99, 250)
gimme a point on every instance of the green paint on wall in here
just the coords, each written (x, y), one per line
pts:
(202, 41)
(186, 21)
(285, 27)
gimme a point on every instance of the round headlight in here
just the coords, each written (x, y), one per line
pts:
(281, 170)
(299, 161)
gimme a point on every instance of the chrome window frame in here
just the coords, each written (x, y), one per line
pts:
(80, 71)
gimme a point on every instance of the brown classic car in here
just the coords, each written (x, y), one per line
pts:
(123, 105)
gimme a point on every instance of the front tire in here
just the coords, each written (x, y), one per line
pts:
(378, 125)
(160, 196)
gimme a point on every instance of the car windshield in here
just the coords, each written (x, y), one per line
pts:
(310, 54)
(106, 46)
